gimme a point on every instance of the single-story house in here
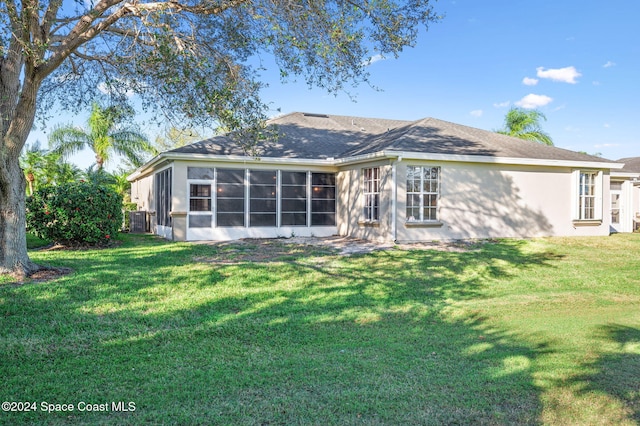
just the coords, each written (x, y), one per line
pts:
(625, 196)
(375, 179)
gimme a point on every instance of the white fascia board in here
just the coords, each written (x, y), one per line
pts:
(137, 173)
(330, 162)
(367, 158)
(503, 160)
(625, 175)
(334, 163)
(230, 159)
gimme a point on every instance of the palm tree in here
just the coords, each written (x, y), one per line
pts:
(105, 136)
(121, 185)
(525, 124)
(32, 162)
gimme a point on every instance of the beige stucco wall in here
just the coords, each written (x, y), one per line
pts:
(476, 201)
(350, 185)
(490, 201)
(142, 193)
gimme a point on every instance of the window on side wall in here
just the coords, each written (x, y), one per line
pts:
(371, 190)
(423, 193)
(588, 200)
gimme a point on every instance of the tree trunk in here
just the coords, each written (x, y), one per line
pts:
(17, 110)
(13, 235)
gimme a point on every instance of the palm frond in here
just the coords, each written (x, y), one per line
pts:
(68, 140)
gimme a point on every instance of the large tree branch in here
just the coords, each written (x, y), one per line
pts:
(84, 30)
(49, 17)
(179, 7)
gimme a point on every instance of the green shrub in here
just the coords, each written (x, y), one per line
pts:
(77, 212)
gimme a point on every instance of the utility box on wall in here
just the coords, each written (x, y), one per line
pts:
(138, 222)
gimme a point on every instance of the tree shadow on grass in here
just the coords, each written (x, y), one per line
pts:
(326, 340)
(617, 372)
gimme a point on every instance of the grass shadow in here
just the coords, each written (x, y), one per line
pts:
(313, 339)
(617, 372)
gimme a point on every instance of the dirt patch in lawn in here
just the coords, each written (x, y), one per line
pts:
(44, 274)
(283, 249)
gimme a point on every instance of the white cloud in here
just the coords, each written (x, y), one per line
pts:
(527, 81)
(532, 101)
(564, 75)
(609, 64)
(502, 104)
(476, 113)
(374, 59)
(607, 125)
(121, 85)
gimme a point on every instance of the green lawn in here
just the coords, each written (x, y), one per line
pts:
(511, 332)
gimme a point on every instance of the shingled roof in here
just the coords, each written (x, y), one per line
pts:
(321, 136)
(631, 164)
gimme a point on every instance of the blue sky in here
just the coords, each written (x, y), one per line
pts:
(578, 62)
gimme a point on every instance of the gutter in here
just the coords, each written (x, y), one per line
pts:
(390, 154)
(142, 170)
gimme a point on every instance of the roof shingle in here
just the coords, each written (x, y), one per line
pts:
(320, 136)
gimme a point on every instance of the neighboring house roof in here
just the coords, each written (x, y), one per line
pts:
(631, 164)
(320, 136)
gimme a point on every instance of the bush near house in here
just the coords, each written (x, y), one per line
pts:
(77, 212)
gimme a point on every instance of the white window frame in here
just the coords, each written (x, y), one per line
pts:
(211, 212)
(371, 193)
(422, 193)
(580, 202)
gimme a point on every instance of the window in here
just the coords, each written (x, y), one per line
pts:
(423, 191)
(200, 205)
(293, 201)
(162, 183)
(200, 198)
(587, 196)
(371, 193)
(262, 198)
(230, 197)
(323, 199)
